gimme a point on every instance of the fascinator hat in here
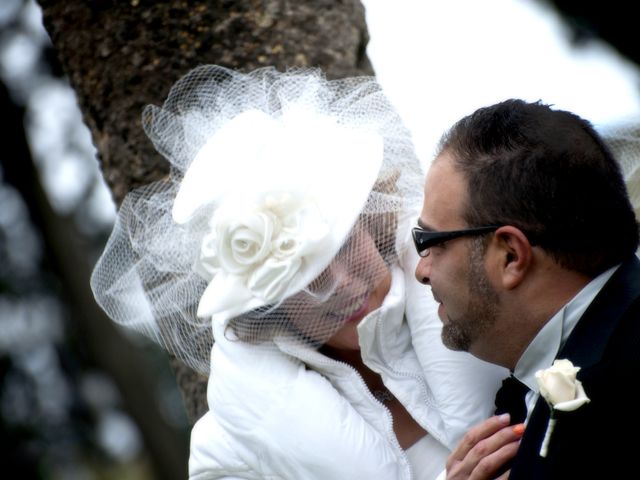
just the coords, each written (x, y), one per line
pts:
(273, 174)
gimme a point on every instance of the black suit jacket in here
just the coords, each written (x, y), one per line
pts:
(599, 440)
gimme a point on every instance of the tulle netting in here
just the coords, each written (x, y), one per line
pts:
(151, 276)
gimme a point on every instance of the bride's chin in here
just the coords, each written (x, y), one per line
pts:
(345, 339)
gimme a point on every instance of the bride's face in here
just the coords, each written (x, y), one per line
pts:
(353, 285)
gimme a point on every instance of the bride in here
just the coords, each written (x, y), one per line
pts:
(277, 260)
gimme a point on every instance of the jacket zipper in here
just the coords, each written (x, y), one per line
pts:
(390, 433)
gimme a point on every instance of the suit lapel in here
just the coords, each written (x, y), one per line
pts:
(587, 342)
(584, 347)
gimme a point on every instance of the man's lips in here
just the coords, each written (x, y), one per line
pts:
(441, 309)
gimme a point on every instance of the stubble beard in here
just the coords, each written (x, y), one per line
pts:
(460, 333)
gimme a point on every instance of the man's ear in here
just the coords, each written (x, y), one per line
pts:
(512, 255)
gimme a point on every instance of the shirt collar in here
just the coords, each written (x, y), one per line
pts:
(547, 343)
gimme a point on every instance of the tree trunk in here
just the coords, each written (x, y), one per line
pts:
(121, 56)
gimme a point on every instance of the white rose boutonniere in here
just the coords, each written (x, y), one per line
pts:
(562, 391)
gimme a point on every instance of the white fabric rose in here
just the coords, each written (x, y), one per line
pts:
(262, 245)
(560, 387)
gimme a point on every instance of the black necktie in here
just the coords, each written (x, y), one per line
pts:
(510, 398)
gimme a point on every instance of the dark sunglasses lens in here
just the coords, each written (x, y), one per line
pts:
(423, 241)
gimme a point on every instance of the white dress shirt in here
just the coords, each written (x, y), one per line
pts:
(544, 348)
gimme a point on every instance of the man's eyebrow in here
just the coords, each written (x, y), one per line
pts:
(424, 226)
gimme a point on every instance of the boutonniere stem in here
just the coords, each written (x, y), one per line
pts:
(547, 437)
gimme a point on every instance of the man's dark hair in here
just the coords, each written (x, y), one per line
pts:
(550, 174)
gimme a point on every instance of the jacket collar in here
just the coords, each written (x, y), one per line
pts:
(587, 342)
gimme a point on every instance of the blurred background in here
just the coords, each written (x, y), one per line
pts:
(62, 415)
(439, 61)
(68, 383)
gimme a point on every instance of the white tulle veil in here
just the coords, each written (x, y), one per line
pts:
(275, 176)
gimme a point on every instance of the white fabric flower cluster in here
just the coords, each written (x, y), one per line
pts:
(258, 250)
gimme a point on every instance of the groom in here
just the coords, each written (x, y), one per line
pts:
(527, 239)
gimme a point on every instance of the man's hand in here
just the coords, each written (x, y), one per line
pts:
(484, 450)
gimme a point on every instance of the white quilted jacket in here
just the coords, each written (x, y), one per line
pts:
(295, 414)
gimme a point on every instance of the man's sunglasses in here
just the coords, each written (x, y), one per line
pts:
(425, 239)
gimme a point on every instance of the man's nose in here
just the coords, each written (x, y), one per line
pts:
(423, 270)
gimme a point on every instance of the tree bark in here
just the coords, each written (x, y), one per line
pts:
(120, 56)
